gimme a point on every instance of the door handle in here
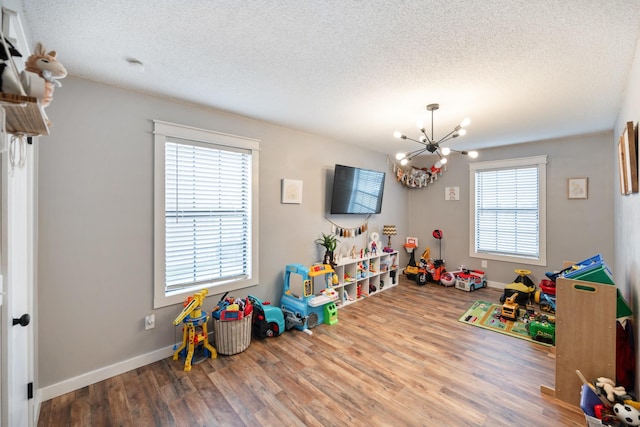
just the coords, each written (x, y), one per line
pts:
(22, 321)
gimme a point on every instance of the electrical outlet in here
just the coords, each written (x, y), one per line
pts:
(484, 263)
(150, 321)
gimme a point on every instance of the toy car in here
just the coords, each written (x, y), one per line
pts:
(470, 280)
(547, 286)
(430, 271)
(525, 293)
(543, 329)
(268, 320)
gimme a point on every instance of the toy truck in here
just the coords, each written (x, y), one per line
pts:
(470, 280)
(268, 320)
(543, 329)
(510, 308)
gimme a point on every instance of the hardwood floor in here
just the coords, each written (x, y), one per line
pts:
(397, 358)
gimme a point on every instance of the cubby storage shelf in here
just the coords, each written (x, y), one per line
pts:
(362, 277)
(24, 115)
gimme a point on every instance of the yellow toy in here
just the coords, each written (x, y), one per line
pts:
(510, 308)
(193, 317)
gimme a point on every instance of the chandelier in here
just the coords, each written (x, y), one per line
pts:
(431, 144)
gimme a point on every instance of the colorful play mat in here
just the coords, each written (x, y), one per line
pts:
(486, 315)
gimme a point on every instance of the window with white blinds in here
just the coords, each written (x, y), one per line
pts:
(208, 214)
(508, 204)
(205, 235)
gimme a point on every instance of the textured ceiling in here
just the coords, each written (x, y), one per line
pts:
(356, 70)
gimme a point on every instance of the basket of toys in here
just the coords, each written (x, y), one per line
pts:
(232, 325)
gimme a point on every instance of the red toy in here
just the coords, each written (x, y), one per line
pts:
(547, 286)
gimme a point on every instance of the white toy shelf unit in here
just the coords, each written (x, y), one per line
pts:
(361, 277)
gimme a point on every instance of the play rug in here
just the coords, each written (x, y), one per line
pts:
(487, 315)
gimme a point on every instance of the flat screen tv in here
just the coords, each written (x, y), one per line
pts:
(356, 191)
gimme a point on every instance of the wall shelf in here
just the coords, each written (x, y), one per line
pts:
(24, 115)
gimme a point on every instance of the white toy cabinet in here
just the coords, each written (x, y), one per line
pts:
(362, 277)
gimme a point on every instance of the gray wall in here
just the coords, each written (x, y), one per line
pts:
(576, 229)
(95, 216)
(627, 208)
(95, 219)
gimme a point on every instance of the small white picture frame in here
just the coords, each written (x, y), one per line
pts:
(452, 193)
(578, 188)
(291, 191)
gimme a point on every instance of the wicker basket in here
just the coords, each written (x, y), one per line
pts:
(232, 337)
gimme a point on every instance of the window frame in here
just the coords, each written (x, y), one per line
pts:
(535, 161)
(163, 132)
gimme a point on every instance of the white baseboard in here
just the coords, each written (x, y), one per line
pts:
(66, 386)
(497, 285)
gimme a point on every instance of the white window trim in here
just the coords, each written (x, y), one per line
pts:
(540, 162)
(163, 130)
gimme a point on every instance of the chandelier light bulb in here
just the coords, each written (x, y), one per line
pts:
(404, 161)
(473, 154)
(465, 123)
(400, 156)
(423, 139)
(438, 164)
(397, 134)
(420, 124)
(462, 132)
(443, 160)
(446, 151)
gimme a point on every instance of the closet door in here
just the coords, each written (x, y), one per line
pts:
(18, 238)
(17, 270)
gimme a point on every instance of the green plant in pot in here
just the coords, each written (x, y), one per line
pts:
(329, 242)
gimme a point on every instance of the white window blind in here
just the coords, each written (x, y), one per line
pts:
(208, 212)
(508, 210)
(205, 212)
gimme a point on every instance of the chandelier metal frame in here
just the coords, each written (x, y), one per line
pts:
(431, 144)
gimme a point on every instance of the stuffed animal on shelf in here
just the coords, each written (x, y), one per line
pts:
(45, 65)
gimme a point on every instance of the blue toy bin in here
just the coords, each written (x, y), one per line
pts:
(593, 269)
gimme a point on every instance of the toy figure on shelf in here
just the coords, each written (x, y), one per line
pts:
(194, 331)
(374, 243)
(46, 66)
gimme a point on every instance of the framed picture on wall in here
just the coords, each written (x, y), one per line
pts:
(291, 191)
(452, 193)
(577, 188)
(630, 142)
(622, 166)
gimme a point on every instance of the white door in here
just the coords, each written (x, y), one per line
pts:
(17, 257)
(17, 266)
